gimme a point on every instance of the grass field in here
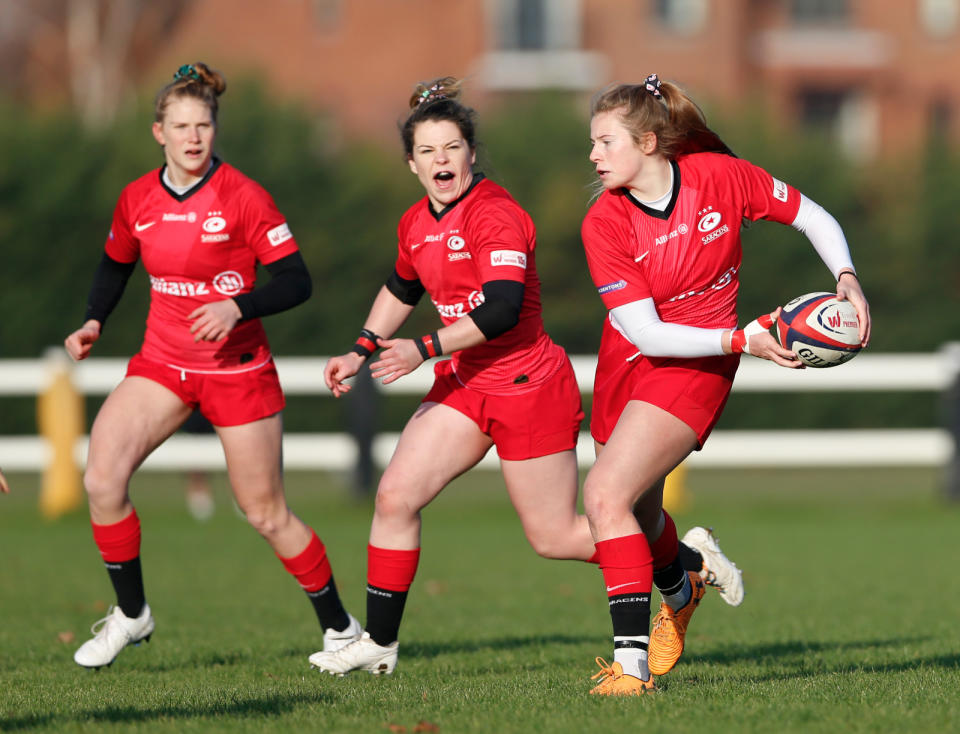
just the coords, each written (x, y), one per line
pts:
(850, 623)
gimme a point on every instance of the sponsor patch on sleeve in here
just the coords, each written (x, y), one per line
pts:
(779, 190)
(279, 234)
(610, 287)
(509, 257)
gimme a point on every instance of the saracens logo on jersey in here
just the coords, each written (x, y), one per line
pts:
(709, 225)
(457, 243)
(213, 227)
(710, 219)
(229, 282)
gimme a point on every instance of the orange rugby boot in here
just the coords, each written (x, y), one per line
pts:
(614, 682)
(670, 628)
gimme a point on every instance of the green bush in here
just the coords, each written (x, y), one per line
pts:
(59, 184)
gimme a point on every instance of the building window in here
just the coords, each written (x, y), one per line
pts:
(820, 108)
(939, 18)
(530, 25)
(535, 25)
(683, 17)
(846, 116)
(820, 12)
(537, 44)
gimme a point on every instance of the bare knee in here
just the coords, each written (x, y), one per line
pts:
(266, 518)
(106, 490)
(599, 502)
(395, 500)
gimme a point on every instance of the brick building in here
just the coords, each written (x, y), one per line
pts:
(877, 74)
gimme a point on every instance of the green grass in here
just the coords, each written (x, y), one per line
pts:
(850, 621)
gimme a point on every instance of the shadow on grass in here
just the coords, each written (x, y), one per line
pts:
(792, 648)
(211, 659)
(446, 647)
(271, 705)
(434, 649)
(791, 658)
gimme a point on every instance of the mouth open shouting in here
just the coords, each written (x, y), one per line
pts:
(442, 161)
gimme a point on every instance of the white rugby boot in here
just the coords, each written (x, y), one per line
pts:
(334, 640)
(113, 633)
(362, 654)
(718, 571)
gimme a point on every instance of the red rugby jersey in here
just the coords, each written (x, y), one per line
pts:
(687, 258)
(483, 236)
(199, 247)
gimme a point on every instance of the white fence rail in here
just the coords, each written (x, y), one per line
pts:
(935, 372)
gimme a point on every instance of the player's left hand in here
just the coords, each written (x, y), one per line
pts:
(848, 289)
(4, 487)
(212, 322)
(398, 357)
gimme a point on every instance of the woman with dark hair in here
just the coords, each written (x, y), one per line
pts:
(663, 246)
(200, 227)
(471, 247)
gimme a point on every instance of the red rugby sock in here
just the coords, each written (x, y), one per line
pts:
(665, 548)
(311, 569)
(389, 576)
(627, 568)
(119, 545)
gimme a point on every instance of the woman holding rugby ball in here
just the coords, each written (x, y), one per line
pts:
(663, 246)
(471, 247)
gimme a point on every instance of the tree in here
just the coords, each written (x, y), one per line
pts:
(92, 52)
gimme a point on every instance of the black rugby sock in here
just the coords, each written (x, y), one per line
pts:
(127, 579)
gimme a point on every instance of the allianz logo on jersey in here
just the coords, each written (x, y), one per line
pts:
(229, 283)
(213, 227)
(179, 287)
(189, 217)
(461, 309)
(664, 238)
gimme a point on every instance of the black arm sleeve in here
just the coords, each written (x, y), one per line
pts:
(406, 291)
(108, 284)
(289, 286)
(500, 310)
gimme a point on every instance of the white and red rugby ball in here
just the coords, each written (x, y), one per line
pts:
(819, 329)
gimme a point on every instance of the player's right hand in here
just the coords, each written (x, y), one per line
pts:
(4, 487)
(339, 369)
(79, 343)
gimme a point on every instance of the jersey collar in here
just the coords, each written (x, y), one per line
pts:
(193, 189)
(477, 178)
(665, 214)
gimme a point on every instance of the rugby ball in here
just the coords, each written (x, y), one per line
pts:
(819, 329)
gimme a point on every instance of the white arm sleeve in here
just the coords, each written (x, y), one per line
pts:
(639, 322)
(826, 235)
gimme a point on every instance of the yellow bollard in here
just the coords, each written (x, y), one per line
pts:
(676, 499)
(60, 419)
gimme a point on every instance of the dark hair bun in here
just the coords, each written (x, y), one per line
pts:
(445, 87)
